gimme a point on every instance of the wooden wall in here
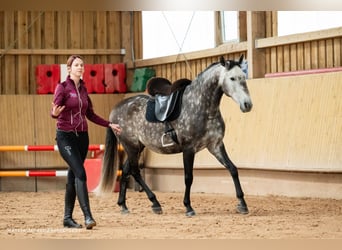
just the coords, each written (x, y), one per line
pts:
(191, 68)
(313, 50)
(264, 50)
(29, 38)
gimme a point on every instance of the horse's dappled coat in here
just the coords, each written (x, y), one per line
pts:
(200, 125)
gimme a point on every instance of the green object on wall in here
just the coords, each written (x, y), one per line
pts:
(140, 78)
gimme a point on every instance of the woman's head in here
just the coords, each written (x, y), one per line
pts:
(72, 58)
(75, 66)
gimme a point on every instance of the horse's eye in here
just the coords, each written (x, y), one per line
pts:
(232, 78)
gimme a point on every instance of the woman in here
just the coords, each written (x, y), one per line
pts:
(71, 106)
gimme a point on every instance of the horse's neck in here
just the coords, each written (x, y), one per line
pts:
(206, 92)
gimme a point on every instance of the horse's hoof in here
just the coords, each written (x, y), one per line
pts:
(124, 210)
(242, 209)
(190, 213)
(157, 210)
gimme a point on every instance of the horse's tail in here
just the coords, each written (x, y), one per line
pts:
(109, 163)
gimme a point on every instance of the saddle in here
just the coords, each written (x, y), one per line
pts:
(165, 103)
(162, 86)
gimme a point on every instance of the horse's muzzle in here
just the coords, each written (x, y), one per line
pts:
(246, 107)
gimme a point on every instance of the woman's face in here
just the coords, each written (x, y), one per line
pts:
(77, 68)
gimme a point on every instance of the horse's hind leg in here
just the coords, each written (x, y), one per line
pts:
(156, 208)
(123, 188)
(133, 169)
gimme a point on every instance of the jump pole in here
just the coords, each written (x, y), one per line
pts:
(92, 147)
(38, 173)
(33, 173)
(49, 173)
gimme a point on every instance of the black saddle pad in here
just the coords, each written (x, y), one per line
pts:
(150, 114)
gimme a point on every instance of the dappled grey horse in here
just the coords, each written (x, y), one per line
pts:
(198, 125)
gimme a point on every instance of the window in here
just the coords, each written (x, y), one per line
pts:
(294, 22)
(229, 26)
(173, 32)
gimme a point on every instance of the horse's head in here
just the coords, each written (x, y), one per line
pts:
(233, 83)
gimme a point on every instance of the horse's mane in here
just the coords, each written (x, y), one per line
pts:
(209, 67)
(230, 63)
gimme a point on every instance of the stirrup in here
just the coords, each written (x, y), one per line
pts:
(166, 144)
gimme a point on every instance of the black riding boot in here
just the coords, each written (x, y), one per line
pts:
(83, 198)
(70, 197)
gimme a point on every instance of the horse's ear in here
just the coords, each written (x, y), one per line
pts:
(241, 59)
(222, 61)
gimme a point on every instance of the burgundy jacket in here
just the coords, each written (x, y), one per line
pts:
(78, 107)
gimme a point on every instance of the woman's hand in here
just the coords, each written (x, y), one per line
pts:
(56, 110)
(115, 127)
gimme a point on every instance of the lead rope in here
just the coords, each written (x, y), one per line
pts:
(180, 46)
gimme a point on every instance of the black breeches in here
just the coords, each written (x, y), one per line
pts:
(73, 148)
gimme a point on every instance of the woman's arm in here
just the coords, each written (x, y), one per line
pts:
(92, 116)
(57, 106)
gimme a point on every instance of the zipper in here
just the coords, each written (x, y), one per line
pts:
(80, 107)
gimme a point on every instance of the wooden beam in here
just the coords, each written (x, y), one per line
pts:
(226, 48)
(256, 57)
(242, 26)
(218, 28)
(298, 38)
(62, 51)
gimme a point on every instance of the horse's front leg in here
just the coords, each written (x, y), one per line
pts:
(188, 162)
(221, 155)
